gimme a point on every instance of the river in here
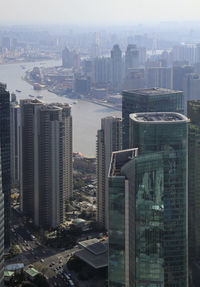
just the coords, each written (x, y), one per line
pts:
(86, 116)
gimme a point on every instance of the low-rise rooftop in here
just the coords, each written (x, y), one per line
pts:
(32, 272)
(14, 267)
(94, 252)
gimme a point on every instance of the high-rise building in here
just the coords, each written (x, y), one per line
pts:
(5, 157)
(135, 79)
(116, 68)
(178, 74)
(109, 139)
(46, 161)
(102, 71)
(148, 204)
(6, 43)
(1, 231)
(15, 141)
(67, 58)
(191, 88)
(184, 52)
(193, 180)
(131, 58)
(142, 55)
(160, 77)
(148, 100)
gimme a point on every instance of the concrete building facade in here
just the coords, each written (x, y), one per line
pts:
(109, 139)
(5, 157)
(46, 161)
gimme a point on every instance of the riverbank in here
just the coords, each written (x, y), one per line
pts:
(94, 101)
(86, 115)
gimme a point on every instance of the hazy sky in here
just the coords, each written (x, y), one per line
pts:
(97, 11)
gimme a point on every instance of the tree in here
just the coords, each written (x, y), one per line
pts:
(41, 281)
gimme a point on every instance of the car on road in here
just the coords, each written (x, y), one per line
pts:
(42, 260)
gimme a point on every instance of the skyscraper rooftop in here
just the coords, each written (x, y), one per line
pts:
(158, 117)
(152, 91)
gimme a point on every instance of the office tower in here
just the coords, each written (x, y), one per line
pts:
(142, 55)
(148, 100)
(116, 68)
(5, 157)
(67, 58)
(1, 231)
(148, 204)
(184, 52)
(193, 180)
(102, 71)
(160, 77)
(88, 69)
(109, 139)
(131, 57)
(178, 74)
(6, 43)
(15, 140)
(191, 88)
(76, 61)
(134, 79)
(46, 161)
(197, 60)
(82, 85)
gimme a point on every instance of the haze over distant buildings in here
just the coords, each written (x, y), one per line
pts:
(88, 11)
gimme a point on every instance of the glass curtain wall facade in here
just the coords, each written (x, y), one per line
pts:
(121, 243)
(194, 180)
(148, 204)
(136, 256)
(167, 133)
(148, 100)
(1, 231)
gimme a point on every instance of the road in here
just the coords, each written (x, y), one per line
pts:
(49, 261)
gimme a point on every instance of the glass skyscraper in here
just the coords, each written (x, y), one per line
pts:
(1, 231)
(149, 100)
(148, 204)
(5, 157)
(194, 180)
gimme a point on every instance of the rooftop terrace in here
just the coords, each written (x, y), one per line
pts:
(119, 158)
